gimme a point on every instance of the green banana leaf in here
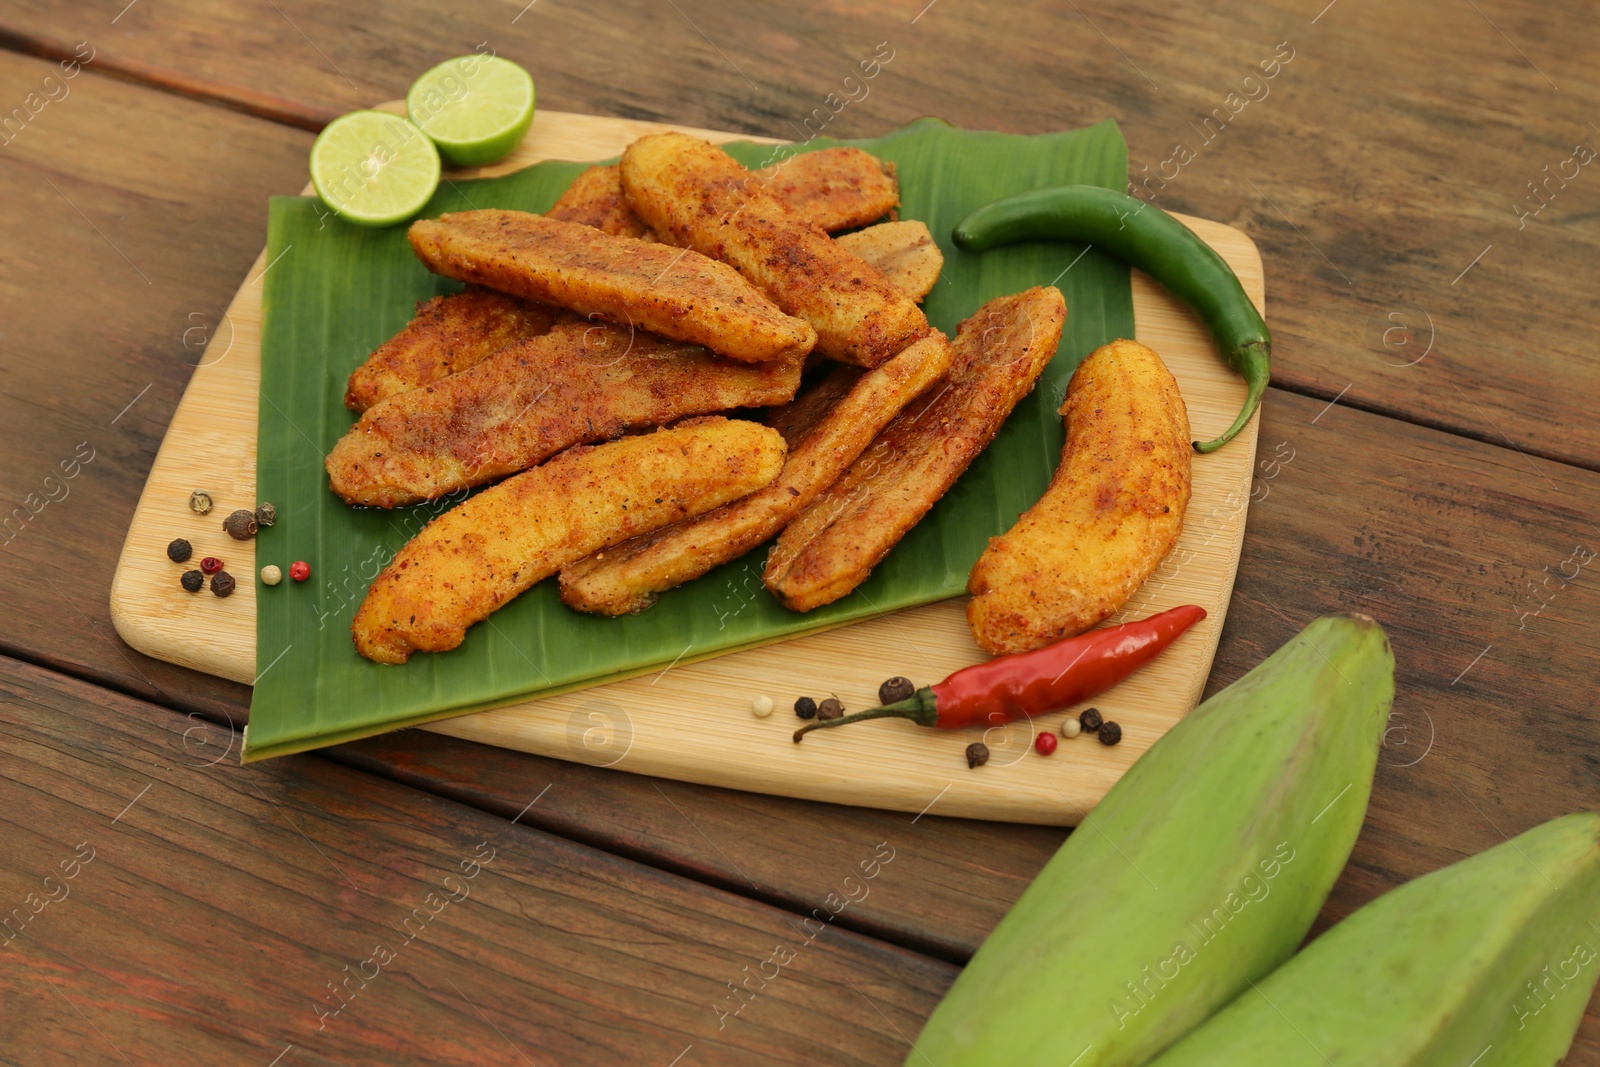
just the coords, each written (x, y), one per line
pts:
(334, 292)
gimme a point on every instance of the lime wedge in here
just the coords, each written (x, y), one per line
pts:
(476, 108)
(373, 168)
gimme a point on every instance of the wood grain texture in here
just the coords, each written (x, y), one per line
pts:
(691, 721)
(107, 264)
(1414, 129)
(220, 901)
(1393, 148)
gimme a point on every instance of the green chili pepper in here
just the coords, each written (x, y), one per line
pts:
(1157, 244)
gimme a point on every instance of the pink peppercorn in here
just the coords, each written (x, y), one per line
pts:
(299, 570)
(1045, 742)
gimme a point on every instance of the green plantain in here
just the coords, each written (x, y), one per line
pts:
(1200, 871)
(1489, 962)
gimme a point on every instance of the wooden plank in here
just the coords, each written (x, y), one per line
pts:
(1394, 147)
(689, 721)
(108, 264)
(207, 911)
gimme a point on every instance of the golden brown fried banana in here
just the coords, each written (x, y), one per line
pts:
(479, 555)
(1113, 511)
(449, 334)
(833, 545)
(595, 199)
(627, 578)
(676, 293)
(831, 188)
(799, 416)
(834, 188)
(694, 195)
(903, 251)
(577, 384)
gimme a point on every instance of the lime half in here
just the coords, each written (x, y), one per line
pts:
(373, 168)
(476, 108)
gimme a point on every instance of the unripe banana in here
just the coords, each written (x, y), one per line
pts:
(1489, 963)
(1200, 871)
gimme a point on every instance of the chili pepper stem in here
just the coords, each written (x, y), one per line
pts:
(920, 707)
(1256, 377)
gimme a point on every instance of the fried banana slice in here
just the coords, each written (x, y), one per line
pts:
(449, 334)
(694, 195)
(578, 384)
(453, 333)
(903, 252)
(1113, 510)
(595, 199)
(479, 555)
(832, 546)
(797, 418)
(675, 293)
(626, 579)
(834, 188)
(831, 188)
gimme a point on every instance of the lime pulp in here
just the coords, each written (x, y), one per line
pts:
(475, 108)
(374, 168)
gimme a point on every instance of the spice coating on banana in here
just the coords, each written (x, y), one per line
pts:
(1112, 513)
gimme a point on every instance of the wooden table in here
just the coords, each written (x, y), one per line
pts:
(1427, 457)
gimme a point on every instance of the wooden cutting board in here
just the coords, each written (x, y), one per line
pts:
(694, 721)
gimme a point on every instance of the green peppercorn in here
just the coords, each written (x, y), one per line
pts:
(829, 709)
(806, 708)
(192, 581)
(222, 583)
(179, 550)
(240, 525)
(1110, 733)
(977, 754)
(199, 501)
(266, 515)
(895, 689)
(1090, 720)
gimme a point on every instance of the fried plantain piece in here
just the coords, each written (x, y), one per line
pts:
(676, 293)
(449, 334)
(578, 384)
(452, 333)
(1113, 510)
(831, 188)
(479, 555)
(903, 252)
(797, 418)
(626, 579)
(694, 195)
(595, 199)
(833, 545)
(834, 188)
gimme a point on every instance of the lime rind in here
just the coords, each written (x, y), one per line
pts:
(476, 108)
(373, 168)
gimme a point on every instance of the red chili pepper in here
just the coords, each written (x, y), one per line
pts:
(1032, 683)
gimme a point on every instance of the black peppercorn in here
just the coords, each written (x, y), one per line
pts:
(193, 580)
(241, 525)
(830, 709)
(895, 689)
(222, 583)
(806, 708)
(1110, 733)
(266, 515)
(1090, 720)
(179, 550)
(977, 754)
